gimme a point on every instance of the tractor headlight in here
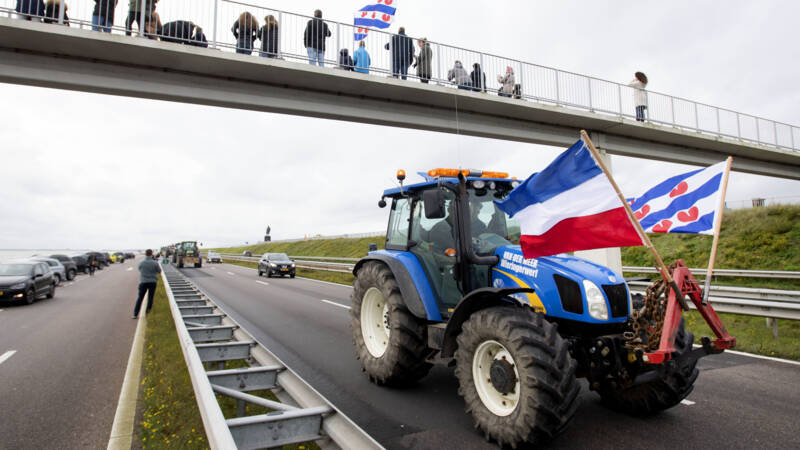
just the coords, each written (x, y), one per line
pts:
(18, 286)
(595, 301)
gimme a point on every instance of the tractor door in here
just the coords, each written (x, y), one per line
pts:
(432, 240)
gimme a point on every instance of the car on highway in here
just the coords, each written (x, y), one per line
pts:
(82, 263)
(59, 272)
(247, 253)
(26, 281)
(70, 266)
(276, 264)
(106, 260)
(117, 257)
(130, 255)
(213, 257)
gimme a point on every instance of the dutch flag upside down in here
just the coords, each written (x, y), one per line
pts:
(685, 203)
(569, 206)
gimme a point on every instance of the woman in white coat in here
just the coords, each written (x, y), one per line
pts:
(639, 94)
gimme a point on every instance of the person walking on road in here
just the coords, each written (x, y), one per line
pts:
(314, 39)
(148, 279)
(639, 95)
(91, 261)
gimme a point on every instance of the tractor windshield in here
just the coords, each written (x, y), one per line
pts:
(189, 245)
(491, 227)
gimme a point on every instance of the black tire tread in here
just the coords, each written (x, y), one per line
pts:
(550, 390)
(404, 361)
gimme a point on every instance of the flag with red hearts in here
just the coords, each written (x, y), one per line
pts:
(685, 203)
(378, 14)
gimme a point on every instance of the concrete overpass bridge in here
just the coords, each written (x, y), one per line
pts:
(552, 107)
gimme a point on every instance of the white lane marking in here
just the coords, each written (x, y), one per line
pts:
(213, 268)
(335, 304)
(129, 269)
(7, 355)
(687, 402)
(231, 273)
(262, 282)
(752, 355)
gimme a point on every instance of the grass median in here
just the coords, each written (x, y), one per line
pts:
(167, 413)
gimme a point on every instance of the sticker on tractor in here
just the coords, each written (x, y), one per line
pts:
(516, 263)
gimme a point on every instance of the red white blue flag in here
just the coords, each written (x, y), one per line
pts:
(378, 14)
(685, 203)
(569, 206)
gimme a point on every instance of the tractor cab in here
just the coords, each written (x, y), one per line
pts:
(440, 222)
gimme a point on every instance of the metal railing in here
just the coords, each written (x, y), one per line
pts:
(532, 82)
(209, 336)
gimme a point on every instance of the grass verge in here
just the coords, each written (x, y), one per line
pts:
(168, 416)
(752, 334)
(322, 275)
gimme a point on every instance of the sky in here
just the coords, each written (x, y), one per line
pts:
(95, 171)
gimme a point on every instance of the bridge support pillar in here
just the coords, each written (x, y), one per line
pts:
(609, 257)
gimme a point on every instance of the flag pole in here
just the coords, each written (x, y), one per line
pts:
(661, 266)
(717, 226)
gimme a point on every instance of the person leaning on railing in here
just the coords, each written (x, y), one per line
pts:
(507, 83)
(459, 76)
(402, 50)
(53, 10)
(314, 39)
(268, 34)
(361, 59)
(478, 78)
(245, 30)
(639, 95)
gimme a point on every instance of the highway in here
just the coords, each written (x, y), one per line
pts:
(738, 401)
(64, 362)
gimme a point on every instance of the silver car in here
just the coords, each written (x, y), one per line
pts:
(59, 273)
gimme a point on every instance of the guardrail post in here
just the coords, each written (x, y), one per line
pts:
(791, 135)
(558, 90)
(619, 95)
(241, 406)
(280, 27)
(758, 131)
(672, 107)
(773, 322)
(142, 15)
(696, 118)
(589, 83)
(214, 31)
(775, 129)
(718, 126)
(61, 10)
(738, 126)
(439, 62)
(338, 43)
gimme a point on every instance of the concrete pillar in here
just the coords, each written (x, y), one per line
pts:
(609, 257)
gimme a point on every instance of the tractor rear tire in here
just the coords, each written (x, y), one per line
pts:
(516, 376)
(659, 394)
(390, 342)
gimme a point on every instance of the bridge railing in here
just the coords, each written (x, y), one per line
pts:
(533, 82)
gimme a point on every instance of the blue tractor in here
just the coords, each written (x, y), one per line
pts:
(452, 287)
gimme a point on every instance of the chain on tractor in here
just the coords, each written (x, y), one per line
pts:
(648, 321)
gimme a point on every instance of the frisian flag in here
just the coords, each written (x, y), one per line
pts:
(570, 205)
(685, 203)
(378, 14)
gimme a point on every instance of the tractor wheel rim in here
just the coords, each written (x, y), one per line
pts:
(375, 322)
(496, 402)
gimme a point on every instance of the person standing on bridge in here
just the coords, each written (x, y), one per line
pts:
(639, 95)
(402, 49)
(135, 13)
(424, 61)
(361, 58)
(459, 76)
(148, 279)
(478, 78)
(506, 83)
(53, 11)
(30, 9)
(103, 15)
(245, 30)
(268, 34)
(314, 39)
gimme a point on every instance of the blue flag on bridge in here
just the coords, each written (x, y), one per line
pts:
(378, 14)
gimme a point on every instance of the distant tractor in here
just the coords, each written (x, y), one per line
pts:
(187, 253)
(452, 287)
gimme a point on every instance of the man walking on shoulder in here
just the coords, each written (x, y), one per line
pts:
(148, 278)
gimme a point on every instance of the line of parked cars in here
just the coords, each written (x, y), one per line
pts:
(30, 278)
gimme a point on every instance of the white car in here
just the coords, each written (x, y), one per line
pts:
(213, 257)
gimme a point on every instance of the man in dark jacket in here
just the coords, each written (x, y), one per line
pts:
(179, 31)
(29, 8)
(478, 78)
(402, 48)
(103, 15)
(314, 39)
(149, 271)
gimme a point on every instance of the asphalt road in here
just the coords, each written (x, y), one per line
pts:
(59, 388)
(738, 401)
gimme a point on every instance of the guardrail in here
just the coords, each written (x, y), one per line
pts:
(207, 335)
(726, 272)
(531, 82)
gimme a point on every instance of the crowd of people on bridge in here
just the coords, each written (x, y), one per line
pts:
(247, 30)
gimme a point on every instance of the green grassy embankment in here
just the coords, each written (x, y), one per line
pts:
(759, 238)
(167, 415)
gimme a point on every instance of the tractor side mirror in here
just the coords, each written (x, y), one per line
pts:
(433, 200)
(372, 247)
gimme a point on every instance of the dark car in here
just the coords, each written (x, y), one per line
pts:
(26, 280)
(275, 264)
(247, 253)
(82, 263)
(107, 260)
(70, 267)
(129, 255)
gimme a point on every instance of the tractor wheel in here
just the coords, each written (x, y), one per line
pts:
(516, 375)
(663, 392)
(390, 342)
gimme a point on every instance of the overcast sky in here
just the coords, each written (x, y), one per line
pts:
(92, 171)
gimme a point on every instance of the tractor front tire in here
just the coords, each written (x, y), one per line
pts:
(516, 376)
(663, 392)
(390, 342)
